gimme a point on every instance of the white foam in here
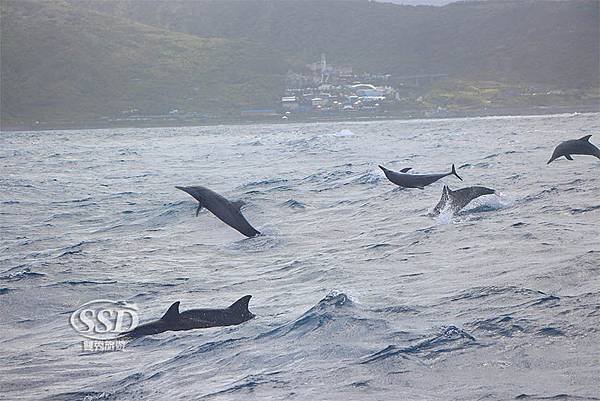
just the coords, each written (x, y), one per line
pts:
(446, 215)
(484, 203)
(343, 133)
(496, 201)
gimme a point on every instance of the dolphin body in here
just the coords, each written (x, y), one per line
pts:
(173, 320)
(581, 146)
(403, 179)
(460, 198)
(228, 212)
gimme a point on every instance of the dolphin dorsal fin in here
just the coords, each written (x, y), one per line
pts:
(238, 204)
(404, 170)
(172, 313)
(585, 138)
(241, 304)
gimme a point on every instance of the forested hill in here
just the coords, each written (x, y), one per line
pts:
(547, 42)
(68, 64)
(77, 60)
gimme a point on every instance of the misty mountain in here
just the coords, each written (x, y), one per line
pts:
(524, 41)
(65, 63)
(84, 58)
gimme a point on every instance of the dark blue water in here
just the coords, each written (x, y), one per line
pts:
(358, 293)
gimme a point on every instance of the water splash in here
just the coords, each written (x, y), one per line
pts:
(343, 133)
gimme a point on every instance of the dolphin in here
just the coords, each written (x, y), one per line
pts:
(581, 146)
(173, 320)
(459, 198)
(403, 179)
(228, 212)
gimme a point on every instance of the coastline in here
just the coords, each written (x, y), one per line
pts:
(304, 118)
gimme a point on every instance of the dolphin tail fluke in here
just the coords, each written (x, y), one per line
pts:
(383, 168)
(455, 173)
(446, 191)
(241, 305)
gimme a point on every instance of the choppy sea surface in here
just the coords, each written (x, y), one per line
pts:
(358, 293)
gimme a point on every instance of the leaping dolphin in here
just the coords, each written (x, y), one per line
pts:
(460, 198)
(228, 212)
(403, 179)
(173, 320)
(581, 146)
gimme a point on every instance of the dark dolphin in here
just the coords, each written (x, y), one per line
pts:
(403, 179)
(459, 198)
(228, 212)
(191, 319)
(581, 146)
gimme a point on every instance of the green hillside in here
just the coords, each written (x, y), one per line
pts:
(68, 62)
(544, 42)
(60, 63)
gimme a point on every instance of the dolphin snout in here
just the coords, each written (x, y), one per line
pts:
(184, 189)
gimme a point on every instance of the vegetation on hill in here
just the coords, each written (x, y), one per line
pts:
(61, 63)
(531, 41)
(80, 60)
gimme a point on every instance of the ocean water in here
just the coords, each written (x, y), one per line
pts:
(358, 293)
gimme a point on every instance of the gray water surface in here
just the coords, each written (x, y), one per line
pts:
(358, 293)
